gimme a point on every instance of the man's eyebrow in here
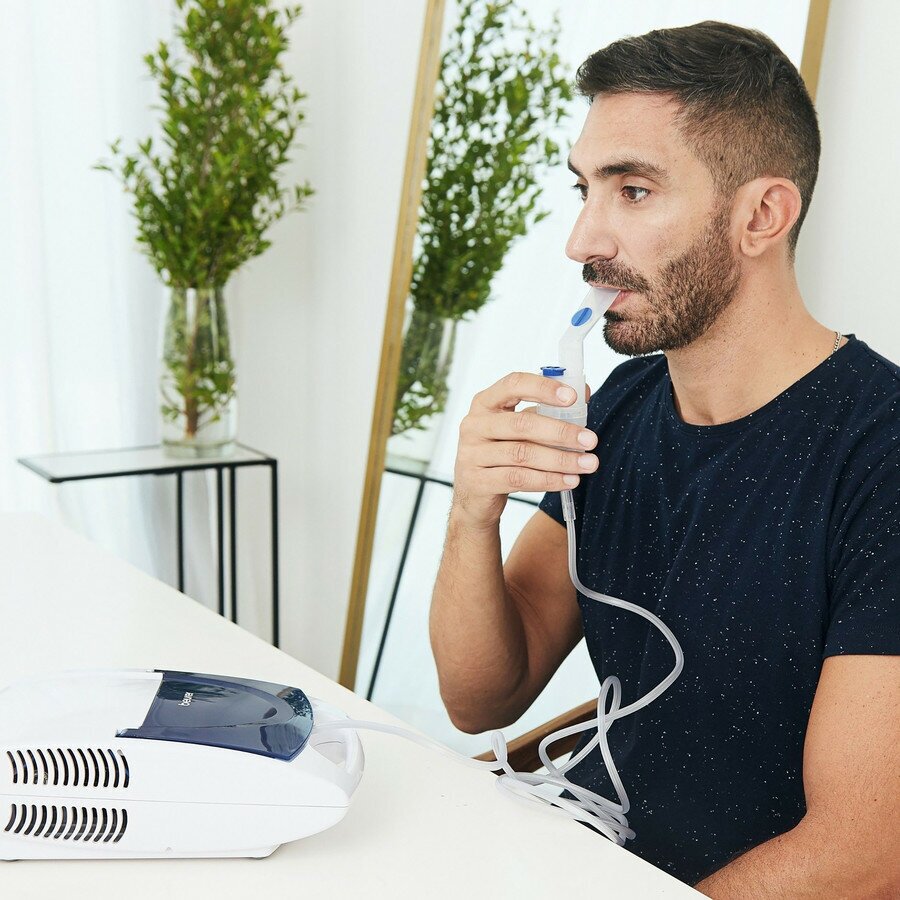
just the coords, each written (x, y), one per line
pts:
(630, 165)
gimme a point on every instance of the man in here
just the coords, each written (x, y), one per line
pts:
(747, 493)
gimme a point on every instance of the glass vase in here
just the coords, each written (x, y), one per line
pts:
(426, 357)
(198, 402)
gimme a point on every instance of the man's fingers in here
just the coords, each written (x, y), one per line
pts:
(587, 399)
(512, 389)
(502, 451)
(519, 426)
(506, 480)
(503, 454)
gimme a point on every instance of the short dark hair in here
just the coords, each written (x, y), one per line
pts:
(745, 111)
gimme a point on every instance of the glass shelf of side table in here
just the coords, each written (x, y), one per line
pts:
(153, 460)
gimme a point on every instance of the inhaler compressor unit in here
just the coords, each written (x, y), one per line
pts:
(143, 763)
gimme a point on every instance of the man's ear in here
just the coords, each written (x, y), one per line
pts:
(767, 209)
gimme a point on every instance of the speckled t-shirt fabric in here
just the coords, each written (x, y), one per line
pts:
(766, 544)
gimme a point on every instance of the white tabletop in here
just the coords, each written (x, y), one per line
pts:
(420, 825)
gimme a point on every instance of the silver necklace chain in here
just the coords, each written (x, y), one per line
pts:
(837, 341)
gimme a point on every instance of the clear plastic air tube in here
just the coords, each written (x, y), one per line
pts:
(609, 817)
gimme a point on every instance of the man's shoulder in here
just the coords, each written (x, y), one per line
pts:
(876, 370)
(870, 388)
(867, 410)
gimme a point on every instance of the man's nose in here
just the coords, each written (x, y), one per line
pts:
(591, 236)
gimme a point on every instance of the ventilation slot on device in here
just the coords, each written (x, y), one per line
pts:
(78, 767)
(76, 823)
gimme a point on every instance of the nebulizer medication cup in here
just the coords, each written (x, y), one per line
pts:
(543, 789)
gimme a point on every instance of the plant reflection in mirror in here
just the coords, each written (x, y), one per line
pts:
(501, 94)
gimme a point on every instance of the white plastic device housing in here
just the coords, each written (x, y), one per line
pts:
(571, 355)
(181, 799)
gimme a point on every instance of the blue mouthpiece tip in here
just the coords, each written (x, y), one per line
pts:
(552, 371)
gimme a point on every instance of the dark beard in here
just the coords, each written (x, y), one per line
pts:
(694, 289)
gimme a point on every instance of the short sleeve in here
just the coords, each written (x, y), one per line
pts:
(552, 505)
(552, 502)
(865, 566)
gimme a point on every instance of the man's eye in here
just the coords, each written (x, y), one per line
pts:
(582, 188)
(631, 187)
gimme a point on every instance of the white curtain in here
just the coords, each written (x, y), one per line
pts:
(80, 307)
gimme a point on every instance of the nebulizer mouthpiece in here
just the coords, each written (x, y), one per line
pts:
(570, 370)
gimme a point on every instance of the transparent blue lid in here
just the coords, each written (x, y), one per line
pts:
(235, 713)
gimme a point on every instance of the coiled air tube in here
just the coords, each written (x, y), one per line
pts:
(606, 816)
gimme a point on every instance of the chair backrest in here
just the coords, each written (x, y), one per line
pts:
(523, 751)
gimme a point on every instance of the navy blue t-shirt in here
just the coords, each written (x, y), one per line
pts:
(766, 544)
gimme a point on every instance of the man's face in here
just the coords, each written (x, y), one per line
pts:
(657, 230)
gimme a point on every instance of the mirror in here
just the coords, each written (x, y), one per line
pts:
(387, 656)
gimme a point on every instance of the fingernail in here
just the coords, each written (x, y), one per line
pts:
(570, 479)
(586, 438)
(587, 461)
(565, 393)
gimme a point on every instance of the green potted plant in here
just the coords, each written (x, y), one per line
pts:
(501, 93)
(205, 199)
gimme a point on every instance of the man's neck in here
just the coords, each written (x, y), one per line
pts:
(758, 347)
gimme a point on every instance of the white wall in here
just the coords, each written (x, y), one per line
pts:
(79, 305)
(308, 316)
(851, 233)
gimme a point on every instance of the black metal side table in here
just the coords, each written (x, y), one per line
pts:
(405, 468)
(59, 467)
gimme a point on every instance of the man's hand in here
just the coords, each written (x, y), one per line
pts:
(499, 632)
(502, 451)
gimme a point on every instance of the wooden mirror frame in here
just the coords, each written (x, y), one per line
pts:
(401, 275)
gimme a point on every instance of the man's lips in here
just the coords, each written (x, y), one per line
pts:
(620, 298)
